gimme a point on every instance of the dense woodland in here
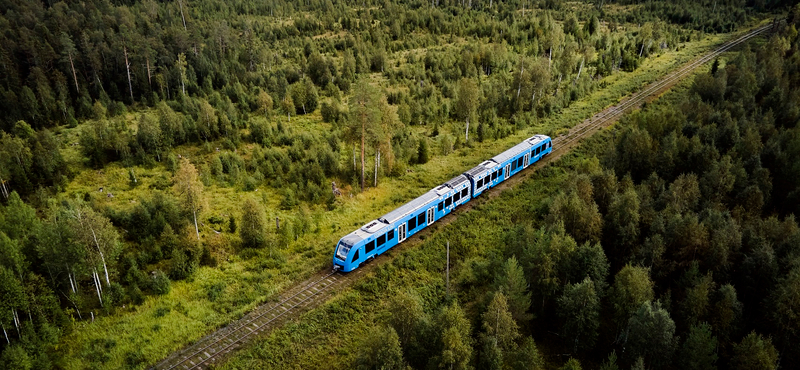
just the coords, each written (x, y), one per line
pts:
(672, 244)
(689, 216)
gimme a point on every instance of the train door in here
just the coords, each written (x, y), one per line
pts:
(526, 161)
(508, 171)
(401, 232)
(430, 215)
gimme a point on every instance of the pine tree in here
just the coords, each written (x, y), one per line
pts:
(511, 282)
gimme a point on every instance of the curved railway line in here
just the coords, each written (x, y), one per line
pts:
(300, 298)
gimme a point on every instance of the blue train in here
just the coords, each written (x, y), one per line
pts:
(393, 228)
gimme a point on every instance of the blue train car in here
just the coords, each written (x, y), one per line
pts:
(393, 228)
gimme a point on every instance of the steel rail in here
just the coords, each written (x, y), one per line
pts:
(216, 340)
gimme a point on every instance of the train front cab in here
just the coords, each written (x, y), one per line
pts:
(367, 242)
(346, 256)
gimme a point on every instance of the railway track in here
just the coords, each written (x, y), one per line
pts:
(212, 348)
(302, 297)
(610, 114)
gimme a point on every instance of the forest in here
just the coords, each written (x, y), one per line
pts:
(146, 148)
(667, 242)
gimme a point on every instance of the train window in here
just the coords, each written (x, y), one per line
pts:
(479, 184)
(381, 240)
(341, 253)
(369, 246)
(390, 235)
(501, 172)
(519, 162)
(456, 197)
(412, 223)
(440, 207)
(464, 192)
(421, 219)
(448, 202)
(513, 165)
(494, 175)
(355, 256)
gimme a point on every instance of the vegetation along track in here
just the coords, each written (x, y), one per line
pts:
(306, 295)
(292, 303)
(611, 114)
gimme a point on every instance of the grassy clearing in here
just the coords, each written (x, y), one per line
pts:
(135, 336)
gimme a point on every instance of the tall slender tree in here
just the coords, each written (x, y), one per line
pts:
(467, 102)
(190, 189)
(364, 118)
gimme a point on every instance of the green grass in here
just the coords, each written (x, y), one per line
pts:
(143, 334)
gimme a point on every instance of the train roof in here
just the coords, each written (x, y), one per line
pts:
(364, 232)
(477, 170)
(519, 148)
(381, 223)
(455, 182)
(536, 139)
(409, 207)
(513, 152)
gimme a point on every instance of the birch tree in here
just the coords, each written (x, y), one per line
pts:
(455, 341)
(264, 103)
(499, 324)
(62, 256)
(467, 103)
(381, 134)
(190, 189)
(12, 300)
(15, 163)
(99, 239)
(180, 63)
(68, 51)
(364, 115)
(254, 224)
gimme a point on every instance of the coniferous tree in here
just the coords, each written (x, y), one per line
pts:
(579, 307)
(699, 351)
(511, 282)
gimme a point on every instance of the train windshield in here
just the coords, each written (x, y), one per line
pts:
(342, 250)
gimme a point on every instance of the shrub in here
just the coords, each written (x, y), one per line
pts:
(160, 284)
